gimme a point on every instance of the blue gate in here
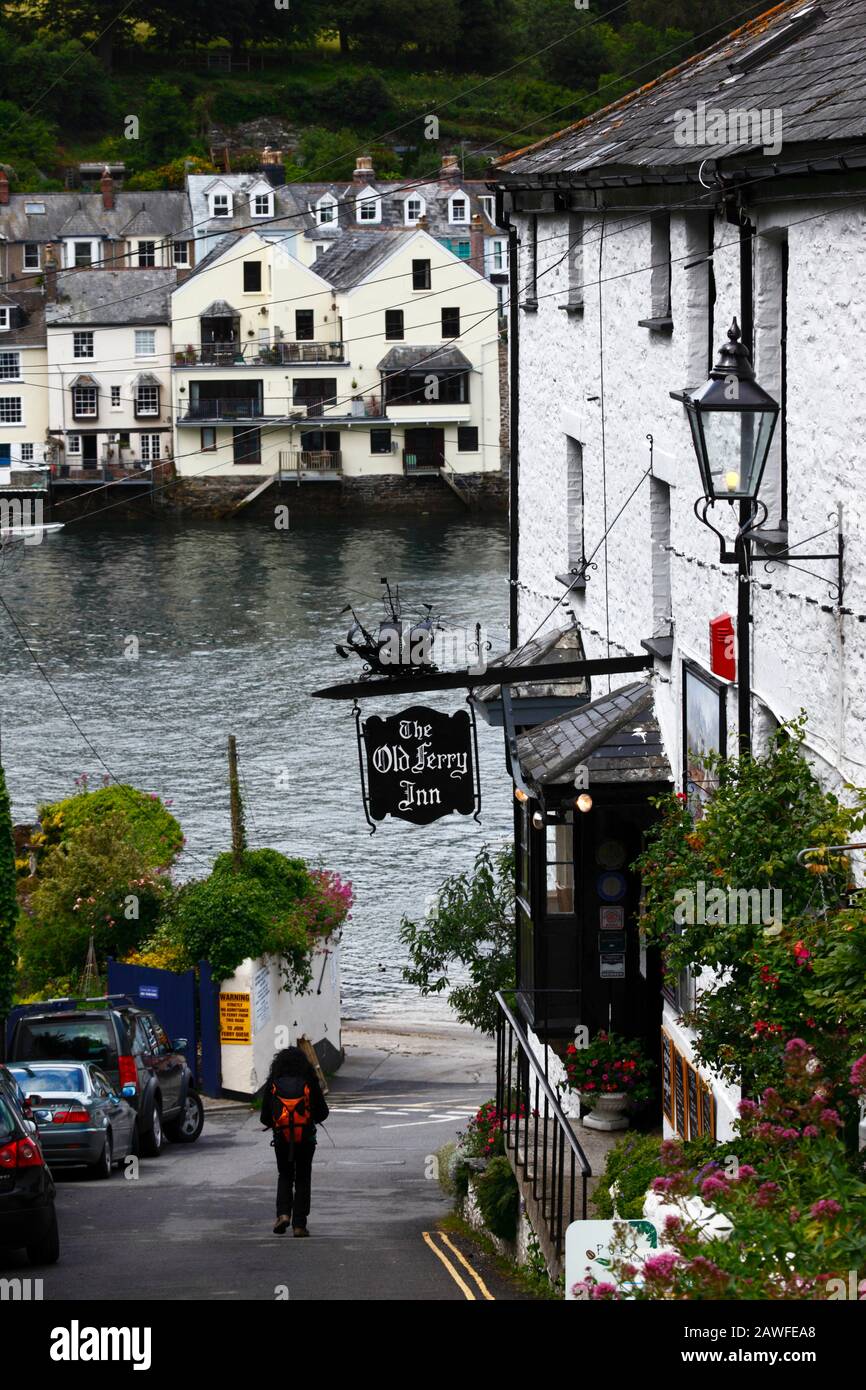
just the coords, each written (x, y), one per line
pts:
(172, 997)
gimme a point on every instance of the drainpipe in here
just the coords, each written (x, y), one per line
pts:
(514, 427)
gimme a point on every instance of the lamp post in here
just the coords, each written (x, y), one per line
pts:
(732, 420)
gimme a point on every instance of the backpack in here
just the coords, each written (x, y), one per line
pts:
(291, 1115)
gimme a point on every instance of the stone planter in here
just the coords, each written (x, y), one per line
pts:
(609, 1112)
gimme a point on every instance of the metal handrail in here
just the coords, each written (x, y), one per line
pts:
(549, 1164)
(829, 849)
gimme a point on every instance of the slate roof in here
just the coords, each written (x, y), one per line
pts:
(31, 316)
(165, 211)
(112, 297)
(803, 58)
(617, 736)
(355, 255)
(559, 644)
(433, 358)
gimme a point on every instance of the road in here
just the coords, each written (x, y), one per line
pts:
(196, 1223)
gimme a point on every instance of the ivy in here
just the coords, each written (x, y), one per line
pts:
(8, 904)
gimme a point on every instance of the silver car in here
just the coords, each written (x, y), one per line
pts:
(81, 1118)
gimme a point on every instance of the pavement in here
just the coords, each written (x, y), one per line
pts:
(196, 1223)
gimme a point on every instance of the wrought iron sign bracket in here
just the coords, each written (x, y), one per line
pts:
(356, 715)
(836, 590)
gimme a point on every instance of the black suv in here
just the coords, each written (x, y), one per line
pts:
(131, 1046)
(27, 1215)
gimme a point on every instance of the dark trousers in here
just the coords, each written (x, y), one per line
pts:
(295, 1167)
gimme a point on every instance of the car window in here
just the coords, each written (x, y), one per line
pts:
(46, 1081)
(8, 1128)
(162, 1042)
(76, 1039)
(145, 1041)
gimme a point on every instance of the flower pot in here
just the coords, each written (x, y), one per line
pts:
(609, 1112)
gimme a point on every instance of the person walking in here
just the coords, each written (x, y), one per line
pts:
(292, 1106)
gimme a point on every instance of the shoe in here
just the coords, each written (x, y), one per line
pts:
(300, 1231)
(283, 1224)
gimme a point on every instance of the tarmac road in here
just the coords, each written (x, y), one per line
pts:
(196, 1223)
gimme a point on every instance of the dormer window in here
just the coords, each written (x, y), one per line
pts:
(458, 208)
(262, 205)
(368, 207)
(413, 210)
(220, 205)
(488, 206)
(326, 210)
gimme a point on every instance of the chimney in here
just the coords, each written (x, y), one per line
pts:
(450, 170)
(476, 244)
(106, 186)
(4, 188)
(273, 167)
(49, 265)
(364, 171)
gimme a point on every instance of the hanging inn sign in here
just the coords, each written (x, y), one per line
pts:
(420, 765)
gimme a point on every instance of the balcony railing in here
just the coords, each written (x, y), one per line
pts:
(235, 353)
(225, 408)
(422, 461)
(296, 462)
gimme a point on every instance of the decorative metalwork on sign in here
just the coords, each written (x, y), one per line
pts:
(418, 765)
(401, 646)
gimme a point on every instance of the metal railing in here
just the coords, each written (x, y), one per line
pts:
(539, 1139)
(225, 408)
(299, 461)
(422, 461)
(233, 352)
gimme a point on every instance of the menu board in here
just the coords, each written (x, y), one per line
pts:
(667, 1077)
(708, 1111)
(680, 1118)
(693, 1101)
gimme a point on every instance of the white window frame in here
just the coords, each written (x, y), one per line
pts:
(150, 447)
(82, 344)
(498, 253)
(32, 246)
(152, 395)
(6, 375)
(139, 334)
(73, 444)
(115, 399)
(414, 198)
(34, 209)
(85, 414)
(267, 199)
(180, 253)
(139, 252)
(326, 204)
(7, 411)
(371, 200)
(487, 203)
(223, 197)
(5, 325)
(459, 221)
(73, 262)
(29, 457)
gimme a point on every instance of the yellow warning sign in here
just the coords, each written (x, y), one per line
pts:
(235, 1018)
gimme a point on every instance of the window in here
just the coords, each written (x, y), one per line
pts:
(413, 209)
(530, 302)
(427, 388)
(27, 453)
(10, 366)
(560, 866)
(326, 210)
(82, 253)
(146, 254)
(394, 325)
(146, 399)
(660, 282)
(31, 255)
(4, 319)
(451, 323)
(263, 205)
(420, 275)
(304, 325)
(180, 253)
(368, 207)
(574, 503)
(10, 410)
(145, 342)
(458, 208)
(84, 402)
(220, 205)
(115, 398)
(247, 445)
(488, 206)
(314, 393)
(498, 254)
(320, 441)
(208, 439)
(467, 439)
(82, 343)
(380, 441)
(150, 444)
(575, 262)
(33, 209)
(660, 533)
(252, 277)
(73, 444)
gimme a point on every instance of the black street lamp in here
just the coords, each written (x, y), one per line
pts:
(732, 420)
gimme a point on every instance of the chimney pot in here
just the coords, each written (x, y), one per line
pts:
(364, 172)
(50, 272)
(106, 185)
(450, 169)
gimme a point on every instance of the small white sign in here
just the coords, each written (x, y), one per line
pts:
(261, 996)
(589, 1251)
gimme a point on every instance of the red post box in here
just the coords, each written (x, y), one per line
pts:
(722, 659)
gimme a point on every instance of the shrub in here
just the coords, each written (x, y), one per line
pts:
(610, 1065)
(8, 901)
(633, 1163)
(498, 1198)
(153, 831)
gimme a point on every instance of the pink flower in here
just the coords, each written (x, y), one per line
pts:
(826, 1207)
(661, 1266)
(858, 1076)
(746, 1171)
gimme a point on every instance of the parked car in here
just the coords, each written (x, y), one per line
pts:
(27, 1215)
(80, 1117)
(130, 1046)
(9, 1084)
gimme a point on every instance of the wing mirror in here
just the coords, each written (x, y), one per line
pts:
(180, 1044)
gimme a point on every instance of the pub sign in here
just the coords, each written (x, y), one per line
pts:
(420, 765)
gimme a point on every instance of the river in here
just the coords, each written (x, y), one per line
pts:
(233, 625)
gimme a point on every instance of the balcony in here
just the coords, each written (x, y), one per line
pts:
(298, 463)
(278, 353)
(422, 461)
(225, 408)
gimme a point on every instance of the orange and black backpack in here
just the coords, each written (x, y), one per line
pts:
(291, 1114)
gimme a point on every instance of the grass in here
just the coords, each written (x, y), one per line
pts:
(528, 1280)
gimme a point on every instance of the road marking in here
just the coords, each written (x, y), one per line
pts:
(412, 1124)
(463, 1260)
(461, 1283)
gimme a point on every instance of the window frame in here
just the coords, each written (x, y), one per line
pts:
(221, 197)
(380, 453)
(180, 262)
(77, 412)
(145, 254)
(31, 246)
(152, 395)
(248, 268)
(140, 332)
(454, 312)
(83, 338)
(9, 401)
(10, 353)
(468, 449)
(421, 270)
(459, 221)
(267, 199)
(208, 448)
(391, 326)
(413, 198)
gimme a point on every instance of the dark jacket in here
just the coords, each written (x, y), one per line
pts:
(293, 1063)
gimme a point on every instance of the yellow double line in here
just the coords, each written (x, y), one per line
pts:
(461, 1283)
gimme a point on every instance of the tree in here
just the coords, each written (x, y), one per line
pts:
(166, 122)
(61, 80)
(153, 831)
(469, 928)
(575, 48)
(27, 143)
(8, 910)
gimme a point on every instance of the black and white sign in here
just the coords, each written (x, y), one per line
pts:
(420, 764)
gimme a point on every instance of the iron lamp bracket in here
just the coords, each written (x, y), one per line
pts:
(730, 555)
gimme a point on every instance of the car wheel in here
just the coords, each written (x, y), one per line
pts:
(189, 1124)
(102, 1167)
(46, 1249)
(151, 1141)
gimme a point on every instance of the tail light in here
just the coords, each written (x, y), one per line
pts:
(71, 1117)
(21, 1153)
(128, 1072)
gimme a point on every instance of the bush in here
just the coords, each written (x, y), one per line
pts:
(74, 86)
(499, 1198)
(8, 901)
(152, 831)
(633, 1163)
